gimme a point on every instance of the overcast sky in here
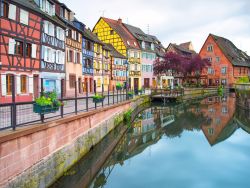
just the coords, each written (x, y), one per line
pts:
(174, 21)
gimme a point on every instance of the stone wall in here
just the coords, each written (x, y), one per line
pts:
(36, 156)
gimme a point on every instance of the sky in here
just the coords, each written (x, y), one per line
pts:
(174, 21)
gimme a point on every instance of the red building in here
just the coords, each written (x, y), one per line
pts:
(228, 63)
(20, 33)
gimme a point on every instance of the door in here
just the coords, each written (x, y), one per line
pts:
(85, 84)
(79, 85)
(36, 86)
(136, 84)
(146, 82)
(90, 85)
(210, 82)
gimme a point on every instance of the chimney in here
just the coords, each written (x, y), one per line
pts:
(120, 21)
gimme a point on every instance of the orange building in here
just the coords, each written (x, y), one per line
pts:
(228, 63)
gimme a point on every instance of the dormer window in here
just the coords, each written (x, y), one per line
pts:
(210, 48)
(48, 7)
(143, 44)
(62, 13)
(152, 46)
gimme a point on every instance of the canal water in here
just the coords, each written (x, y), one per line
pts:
(198, 144)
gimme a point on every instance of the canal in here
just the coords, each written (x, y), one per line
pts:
(200, 143)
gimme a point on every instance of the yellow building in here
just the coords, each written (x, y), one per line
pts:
(115, 33)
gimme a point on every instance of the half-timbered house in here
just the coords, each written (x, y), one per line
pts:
(73, 51)
(53, 46)
(20, 32)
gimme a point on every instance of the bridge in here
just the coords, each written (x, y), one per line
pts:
(166, 95)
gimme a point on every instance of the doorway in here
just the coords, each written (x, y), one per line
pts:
(136, 83)
(36, 86)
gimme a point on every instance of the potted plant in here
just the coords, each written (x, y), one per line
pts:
(98, 98)
(47, 103)
(119, 86)
(130, 94)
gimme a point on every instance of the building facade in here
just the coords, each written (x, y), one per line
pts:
(52, 68)
(228, 63)
(115, 33)
(19, 50)
(73, 42)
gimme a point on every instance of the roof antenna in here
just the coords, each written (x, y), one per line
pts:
(148, 28)
(102, 12)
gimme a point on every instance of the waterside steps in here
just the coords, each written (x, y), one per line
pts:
(166, 95)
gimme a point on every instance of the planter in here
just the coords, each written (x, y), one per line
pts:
(130, 95)
(44, 109)
(118, 87)
(95, 100)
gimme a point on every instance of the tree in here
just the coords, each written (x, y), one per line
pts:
(176, 64)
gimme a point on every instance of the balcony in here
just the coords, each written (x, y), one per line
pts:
(134, 73)
(89, 71)
(52, 67)
(134, 60)
(87, 53)
(52, 41)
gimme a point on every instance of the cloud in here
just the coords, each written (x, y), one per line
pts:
(172, 20)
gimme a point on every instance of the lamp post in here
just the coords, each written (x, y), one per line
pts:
(126, 64)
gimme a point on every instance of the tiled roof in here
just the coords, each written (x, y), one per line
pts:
(181, 50)
(91, 36)
(30, 4)
(123, 32)
(114, 52)
(235, 55)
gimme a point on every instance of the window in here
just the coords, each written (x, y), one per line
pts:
(77, 58)
(99, 82)
(19, 48)
(111, 32)
(217, 59)
(223, 70)
(210, 71)
(12, 12)
(128, 42)
(62, 12)
(9, 83)
(72, 79)
(4, 9)
(152, 46)
(24, 17)
(23, 84)
(209, 59)
(224, 110)
(210, 131)
(143, 44)
(28, 50)
(70, 56)
(210, 48)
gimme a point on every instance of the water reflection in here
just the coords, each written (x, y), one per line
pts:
(217, 117)
(184, 126)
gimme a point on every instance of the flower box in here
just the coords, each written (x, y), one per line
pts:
(118, 87)
(98, 100)
(44, 109)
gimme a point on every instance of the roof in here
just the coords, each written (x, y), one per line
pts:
(181, 49)
(91, 36)
(31, 5)
(114, 52)
(233, 54)
(123, 32)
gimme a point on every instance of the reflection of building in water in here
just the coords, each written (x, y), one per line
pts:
(220, 111)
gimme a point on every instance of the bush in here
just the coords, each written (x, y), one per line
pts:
(243, 80)
(127, 116)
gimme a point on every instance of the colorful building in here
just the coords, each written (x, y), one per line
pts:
(88, 59)
(118, 67)
(148, 55)
(73, 64)
(19, 50)
(106, 67)
(228, 63)
(115, 33)
(184, 49)
(52, 68)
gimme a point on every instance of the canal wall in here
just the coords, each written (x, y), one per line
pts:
(36, 156)
(243, 95)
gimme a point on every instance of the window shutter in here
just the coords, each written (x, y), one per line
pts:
(57, 32)
(33, 55)
(3, 85)
(18, 84)
(12, 12)
(81, 58)
(24, 17)
(12, 43)
(45, 54)
(45, 27)
(62, 61)
(52, 29)
(31, 86)
(53, 55)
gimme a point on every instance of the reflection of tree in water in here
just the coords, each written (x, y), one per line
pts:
(100, 181)
(188, 120)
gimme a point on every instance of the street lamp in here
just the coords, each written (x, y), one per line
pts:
(126, 64)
